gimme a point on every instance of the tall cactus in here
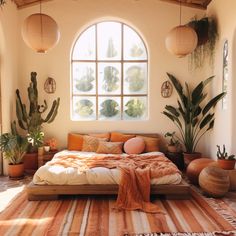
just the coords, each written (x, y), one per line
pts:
(33, 120)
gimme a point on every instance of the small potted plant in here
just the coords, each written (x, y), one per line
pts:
(14, 147)
(224, 161)
(174, 144)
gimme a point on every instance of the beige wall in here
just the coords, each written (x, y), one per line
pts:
(9, 61)
(151, 18)
(225, 126)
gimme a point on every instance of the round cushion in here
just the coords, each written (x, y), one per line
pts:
(195, 167)
(134, 146)
(214, 181)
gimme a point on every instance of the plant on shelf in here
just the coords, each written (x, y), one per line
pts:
(192, 118)
(224, 161)
(174, 144)
(32, 120)
(206, 29)
(14, 146)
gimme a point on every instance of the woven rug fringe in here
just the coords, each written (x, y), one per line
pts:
(231, 233)
(216, 206)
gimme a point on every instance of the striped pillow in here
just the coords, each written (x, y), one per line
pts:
(110, 147)
(90, 144)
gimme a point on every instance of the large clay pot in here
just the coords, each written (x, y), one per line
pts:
(30, 162)
(195, 168)
(226, 164)
(188, 157)
(16, 171)
(214, 181)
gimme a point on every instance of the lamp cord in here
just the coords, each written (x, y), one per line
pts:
(180, 12)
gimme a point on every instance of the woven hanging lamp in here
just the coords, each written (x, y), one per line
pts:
(40, 32)
(181, 40)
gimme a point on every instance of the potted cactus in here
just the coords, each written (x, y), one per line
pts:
(224, 161)
(32, 120)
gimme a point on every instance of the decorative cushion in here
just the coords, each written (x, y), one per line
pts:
(214, 181)
(151, 144)
(90, 143)
(134, 145)
(74, 142)
(110, 147)
(195, 167)
(101, 135)
(119, 137)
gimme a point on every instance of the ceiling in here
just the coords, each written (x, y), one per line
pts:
(202, 4)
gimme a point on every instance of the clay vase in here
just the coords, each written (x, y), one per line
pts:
(188, 157)
(16, 171)
(226, 164)
(172, 148)
(30, 162)
(195, 167)
(214, 181)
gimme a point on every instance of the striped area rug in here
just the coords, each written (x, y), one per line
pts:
(96, 217)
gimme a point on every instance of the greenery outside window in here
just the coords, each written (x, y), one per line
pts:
(225, 75)
(109, 74)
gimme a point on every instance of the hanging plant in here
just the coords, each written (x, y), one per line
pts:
(206, 29)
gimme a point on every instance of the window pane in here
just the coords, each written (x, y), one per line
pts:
(84, 108)
(85, 47)
(134, 48)
(109, 41)
(135, 108)
(109, 78)
(109, 108)
(135, 78)
(84, 78)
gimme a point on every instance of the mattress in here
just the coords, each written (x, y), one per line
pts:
(59, 175)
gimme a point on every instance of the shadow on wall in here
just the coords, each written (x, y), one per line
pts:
(233, 141)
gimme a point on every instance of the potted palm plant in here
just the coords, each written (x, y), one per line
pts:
(224, 161)
(14, 147)
(192, 118)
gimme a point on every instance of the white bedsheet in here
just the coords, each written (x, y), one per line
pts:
(59, 175)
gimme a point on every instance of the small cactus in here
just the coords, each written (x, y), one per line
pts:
(223, 154)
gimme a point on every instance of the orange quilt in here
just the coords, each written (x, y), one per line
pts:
(136, 174)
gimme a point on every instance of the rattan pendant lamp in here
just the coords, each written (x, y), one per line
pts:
(40, 32)
(181, 40)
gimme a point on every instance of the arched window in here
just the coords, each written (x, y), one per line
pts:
(225, 74)
(109, 74)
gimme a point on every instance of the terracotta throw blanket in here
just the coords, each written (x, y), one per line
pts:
(136, 174)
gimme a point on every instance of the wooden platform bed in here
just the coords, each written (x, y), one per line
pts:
(53, 192)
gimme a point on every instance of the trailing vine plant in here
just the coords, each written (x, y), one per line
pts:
(206, 29)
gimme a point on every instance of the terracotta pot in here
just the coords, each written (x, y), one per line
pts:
(195, 168)
(16, 171)
(214, 181)
(188, 157)
(172, 148)
(30, 162)
(226, 164)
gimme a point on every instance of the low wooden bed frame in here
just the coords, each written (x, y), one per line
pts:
(53, 192)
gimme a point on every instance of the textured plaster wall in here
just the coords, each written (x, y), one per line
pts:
(225, 126)
(151, 18)
(9, 35)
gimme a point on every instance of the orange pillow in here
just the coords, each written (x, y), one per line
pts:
(134, 145)
(110, 147)
(119, 137)
(74, 142)
(151, 144)
(101, 135)
(90, 143)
